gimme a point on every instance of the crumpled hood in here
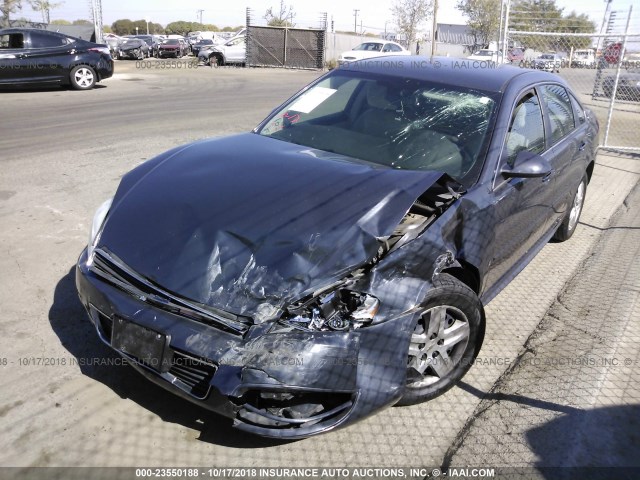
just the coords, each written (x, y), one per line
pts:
(244, 220)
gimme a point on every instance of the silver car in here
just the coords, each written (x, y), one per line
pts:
(233, 51)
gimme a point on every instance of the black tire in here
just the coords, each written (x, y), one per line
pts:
(460, 313)
(216, 61)
(571, 218)
(82, 77)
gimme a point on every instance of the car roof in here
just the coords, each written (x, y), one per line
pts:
(5, 31)
(460, 72)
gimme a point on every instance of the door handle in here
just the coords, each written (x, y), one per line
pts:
(582, 145)
(547, 177)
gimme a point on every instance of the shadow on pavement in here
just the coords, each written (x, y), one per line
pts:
(521, 399)
(601, 443)
(70, 323)
(591, 442)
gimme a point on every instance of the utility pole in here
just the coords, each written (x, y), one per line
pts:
(434, 28)
(355, 20)
(199, 12)
(96, 15)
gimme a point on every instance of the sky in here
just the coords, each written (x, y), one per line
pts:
(374, 14)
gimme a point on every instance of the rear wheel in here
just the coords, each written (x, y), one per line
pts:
(445, 341)
(570, 221)
(82, 77)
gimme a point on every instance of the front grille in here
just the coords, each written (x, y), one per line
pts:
(111, 269)
(194, 372)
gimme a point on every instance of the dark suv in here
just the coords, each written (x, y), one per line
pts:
(29, 56)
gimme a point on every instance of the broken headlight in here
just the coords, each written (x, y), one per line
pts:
(96, 228)
(339, 310)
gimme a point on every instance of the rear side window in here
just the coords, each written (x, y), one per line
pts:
(578, 111)
(560, 111)
(526, 131)
(12, 40)
(42, 40)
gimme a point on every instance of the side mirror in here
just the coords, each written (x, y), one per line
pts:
(527, 165)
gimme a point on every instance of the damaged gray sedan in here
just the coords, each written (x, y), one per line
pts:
(336, 259)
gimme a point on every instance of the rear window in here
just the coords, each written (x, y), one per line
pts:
(560, 111)
(12, 40)
(44, 40)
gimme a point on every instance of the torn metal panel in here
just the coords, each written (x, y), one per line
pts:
(237, 246)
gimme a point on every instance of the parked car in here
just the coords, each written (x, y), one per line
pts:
(172, 47)
(584, 58)
(133, 48)
(195, 48)
(516, 56)
(549, 62)
(113, 42)
(234, 51)
(152, 42)
(30, 56)
(372, 49)
(486, 55)
(628, 85)
(337, 259)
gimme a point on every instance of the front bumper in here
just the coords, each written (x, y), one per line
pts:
(132, 54)
(287, 384)
(168, 53)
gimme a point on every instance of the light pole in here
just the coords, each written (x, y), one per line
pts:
(355, 20)
(434, 28)
(136, 30)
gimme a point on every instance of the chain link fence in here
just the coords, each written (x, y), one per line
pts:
(595, 66)
(285, 46)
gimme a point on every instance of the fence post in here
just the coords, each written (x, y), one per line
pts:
(286, 34)
(615, 83)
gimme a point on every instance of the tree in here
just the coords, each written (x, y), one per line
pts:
(44, 7)
(81, 21)
(408, 15)
(535, 16)
(182, 28)
(60, 22)
(484, 20)
(284, 18)
(575, 23)
(123, 27)
(7, 8)
(546, 16)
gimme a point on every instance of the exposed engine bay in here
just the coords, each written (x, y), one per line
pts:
(338, 307)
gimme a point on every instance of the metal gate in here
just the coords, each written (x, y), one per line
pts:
(289, 47)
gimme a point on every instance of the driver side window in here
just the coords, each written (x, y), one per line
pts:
(526, 128)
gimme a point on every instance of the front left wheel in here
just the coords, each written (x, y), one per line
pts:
(445, 341)
(82, 77)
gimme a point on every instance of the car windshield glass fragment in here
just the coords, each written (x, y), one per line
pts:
(394, 121)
